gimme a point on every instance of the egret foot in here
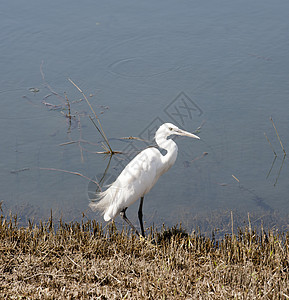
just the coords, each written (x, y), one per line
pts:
(123, 215)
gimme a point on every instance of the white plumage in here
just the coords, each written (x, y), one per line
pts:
(139, 176)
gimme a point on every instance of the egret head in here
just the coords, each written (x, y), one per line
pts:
(168, 129)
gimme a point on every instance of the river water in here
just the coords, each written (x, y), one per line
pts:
(219, 66)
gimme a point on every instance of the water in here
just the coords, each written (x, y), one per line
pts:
(140, 64)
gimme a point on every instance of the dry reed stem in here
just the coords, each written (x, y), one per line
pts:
(278, 135)
(100, 129)
(270, 144)
(70, 172)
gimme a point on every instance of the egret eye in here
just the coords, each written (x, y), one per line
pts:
(170, 128)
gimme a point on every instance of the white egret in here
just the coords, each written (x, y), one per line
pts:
(139, 176)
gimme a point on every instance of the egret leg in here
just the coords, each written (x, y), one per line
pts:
(123, 215)
(140, 215)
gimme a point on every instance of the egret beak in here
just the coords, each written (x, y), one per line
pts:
(185, 133)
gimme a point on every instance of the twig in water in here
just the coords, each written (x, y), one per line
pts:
(270, 144)
(278, 136)
(52, 106)
(281, 144)
(199, 157)
(77, 141)
(107, 150)
(198, 130)
(47, 85)
(235, 178)
(80, 135)
(104, 174)
(100, 129)
(69, 113)
(133, 138)
(70, 172)
(19, 170)
(271, 167)
(280, 170)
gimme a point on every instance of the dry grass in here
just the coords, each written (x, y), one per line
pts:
(83, 261)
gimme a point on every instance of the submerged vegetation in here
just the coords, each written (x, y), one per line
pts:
(81, 260)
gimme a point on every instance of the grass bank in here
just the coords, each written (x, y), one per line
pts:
(85, 261)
